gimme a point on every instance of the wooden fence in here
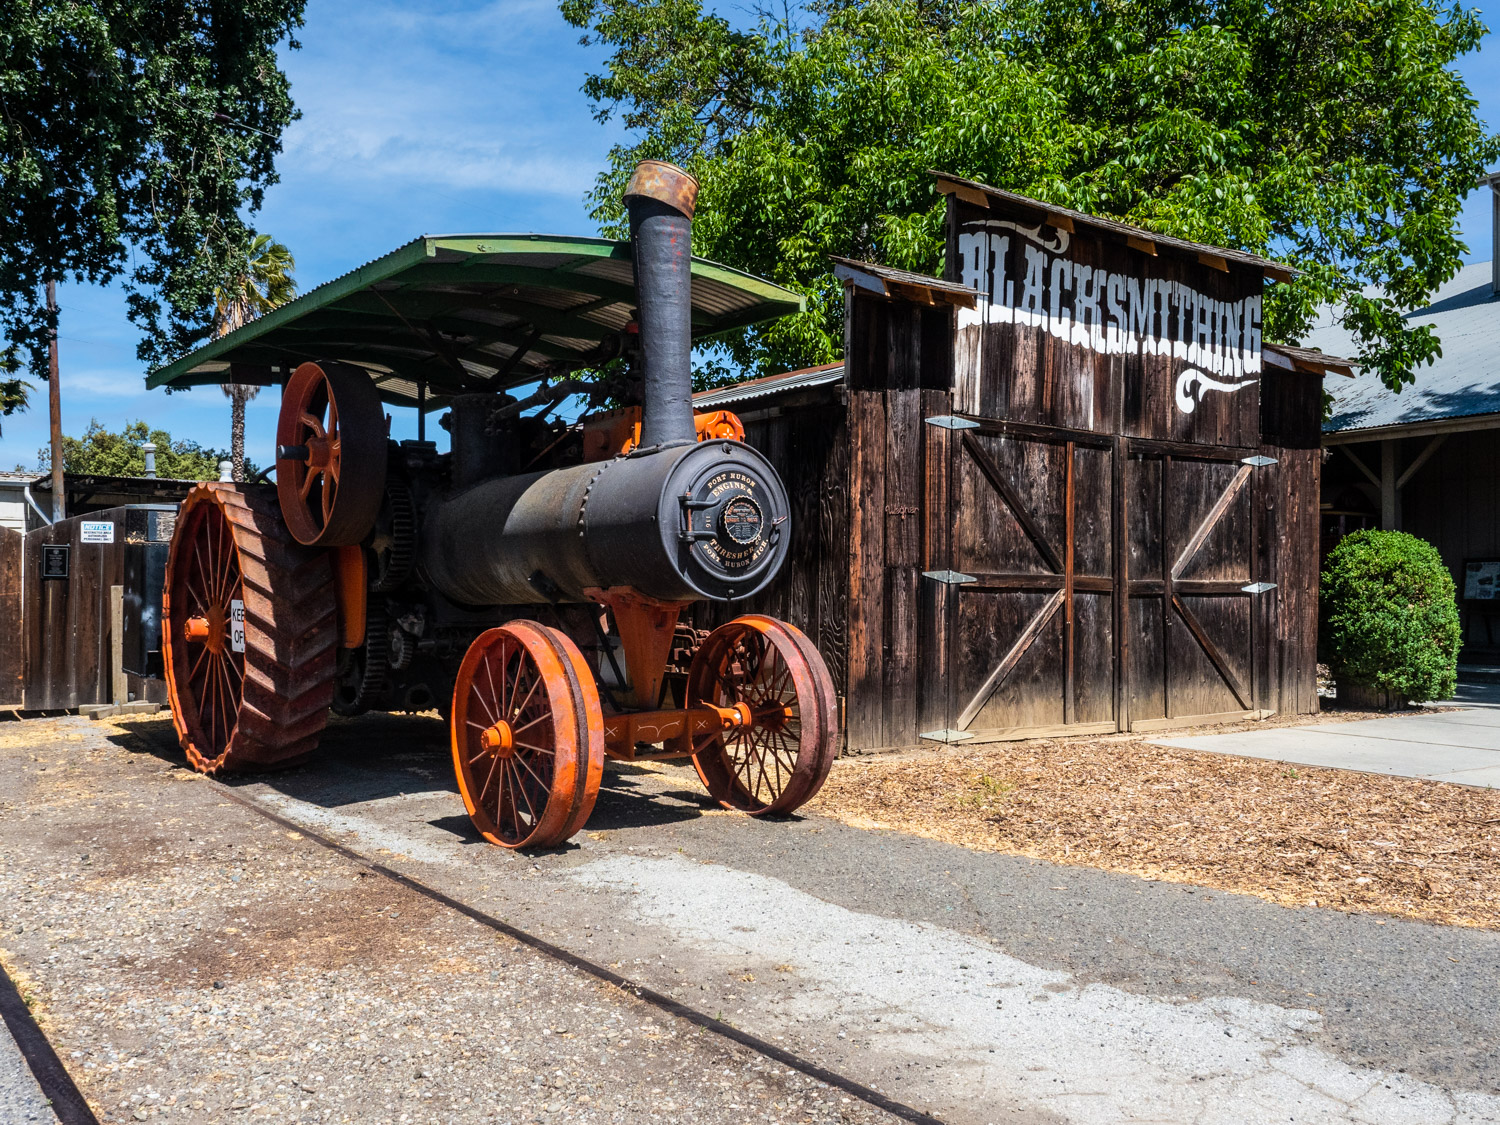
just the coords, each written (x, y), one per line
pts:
(63, 642)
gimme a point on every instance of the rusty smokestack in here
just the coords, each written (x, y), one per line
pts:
(659, 199)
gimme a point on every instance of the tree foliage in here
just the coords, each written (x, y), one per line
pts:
(133, 133)
(1333, 134)
(1389, 615)
(106, 453)
(14, 393)
(261, 281)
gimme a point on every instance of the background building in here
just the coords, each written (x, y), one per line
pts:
(1427, 460)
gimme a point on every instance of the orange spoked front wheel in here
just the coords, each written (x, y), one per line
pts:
(778, 759)
(528, 736)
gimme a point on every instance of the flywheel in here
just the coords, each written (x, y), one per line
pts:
(331, 454)
(251, 632)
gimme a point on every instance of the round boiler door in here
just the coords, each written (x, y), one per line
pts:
(741, 520)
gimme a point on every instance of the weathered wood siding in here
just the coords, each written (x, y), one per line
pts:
(1100, 494)
(12, 634)
(56, 634)
(898, 370)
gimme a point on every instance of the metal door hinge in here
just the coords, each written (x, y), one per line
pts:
(952, 422)
(951, 577)
(1257, 587)
(1258, 460)
(946, 735)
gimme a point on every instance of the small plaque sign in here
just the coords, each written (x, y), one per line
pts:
(96, 531)
(1482, 580)
(237, 625)
(55, 560)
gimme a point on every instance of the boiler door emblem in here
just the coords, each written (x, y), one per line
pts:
(741, 520)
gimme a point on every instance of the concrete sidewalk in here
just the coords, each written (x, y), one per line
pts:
(1459, 746)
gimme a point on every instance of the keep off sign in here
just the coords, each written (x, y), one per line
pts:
(237, 625)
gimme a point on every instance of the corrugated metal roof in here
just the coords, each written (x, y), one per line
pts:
(467, 312)
(769, 385)
(1068, 219)
(1464, 381)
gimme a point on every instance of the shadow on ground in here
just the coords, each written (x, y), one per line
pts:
(380, 756)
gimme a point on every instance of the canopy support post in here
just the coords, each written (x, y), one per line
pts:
(421, 409)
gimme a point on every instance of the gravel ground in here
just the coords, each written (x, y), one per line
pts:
(193, 962)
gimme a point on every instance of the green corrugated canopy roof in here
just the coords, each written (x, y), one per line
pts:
(469, 312)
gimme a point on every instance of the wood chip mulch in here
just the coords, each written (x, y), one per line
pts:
(1294, 835)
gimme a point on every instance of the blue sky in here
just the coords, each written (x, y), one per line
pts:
(439, 117)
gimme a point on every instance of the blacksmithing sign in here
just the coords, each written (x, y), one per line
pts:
(1084, 329)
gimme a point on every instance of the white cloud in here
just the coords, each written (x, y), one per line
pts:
(470, 99)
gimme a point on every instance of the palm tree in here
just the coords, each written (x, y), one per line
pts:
(262, 282)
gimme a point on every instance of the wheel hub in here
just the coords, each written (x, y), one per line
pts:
(499, 740)
(208, 628)
(319, 453)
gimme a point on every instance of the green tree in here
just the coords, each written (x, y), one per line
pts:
(261, 282)
(1333, 134)
(14, 393)
(132, 135)
(106, 453)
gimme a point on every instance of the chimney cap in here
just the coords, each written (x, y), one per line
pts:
(664, 182)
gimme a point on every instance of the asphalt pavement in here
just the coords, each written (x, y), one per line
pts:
(965, 980)
(981, 988)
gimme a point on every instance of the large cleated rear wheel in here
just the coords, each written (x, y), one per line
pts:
(528, 736)
(251, 632)
(779, 759)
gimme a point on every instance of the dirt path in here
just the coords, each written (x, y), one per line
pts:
(193, 962)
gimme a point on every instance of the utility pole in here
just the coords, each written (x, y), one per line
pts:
(54, 407)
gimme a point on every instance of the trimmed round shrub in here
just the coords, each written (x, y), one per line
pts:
(1389, 619)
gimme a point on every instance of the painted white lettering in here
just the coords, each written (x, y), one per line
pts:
(1233, 311)
(1000, 281)
(1030, 305)
(1203, 331)
(1252, 335)
(1060, 320)
(1087, 331)
(1114, 304)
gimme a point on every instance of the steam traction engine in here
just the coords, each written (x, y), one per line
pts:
(530, 583)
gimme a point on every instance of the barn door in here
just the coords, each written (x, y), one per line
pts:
(1030, 597)
(1191, 550)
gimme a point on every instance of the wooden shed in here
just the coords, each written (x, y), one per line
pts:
(80, 609)
(1064, 489)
